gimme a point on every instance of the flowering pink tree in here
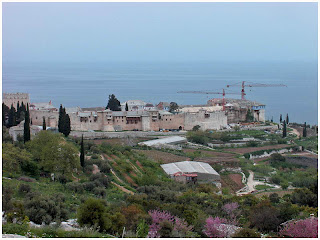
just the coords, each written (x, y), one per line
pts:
(306, 228)
(232, 210)
(215, 227)
(158, 217)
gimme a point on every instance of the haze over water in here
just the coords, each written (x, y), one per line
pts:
(89, 84)
(79, 53)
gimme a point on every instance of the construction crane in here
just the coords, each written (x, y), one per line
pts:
(244, 84)
(223, 93)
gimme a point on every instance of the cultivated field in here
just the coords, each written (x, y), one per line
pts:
(163, 157)
(253, 149)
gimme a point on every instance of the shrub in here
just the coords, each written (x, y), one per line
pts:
(105, 167)
(277, 157)
(89, 186)
(274, 198)
(24, 188)
(75, 187)
(307, 228)
(246, 233)
(215, 228)
(99, 192)
(252, 144)
(100, 179)
(26, 179)
(92, 213)
(94, 156)
(30, 168)
(46, 209)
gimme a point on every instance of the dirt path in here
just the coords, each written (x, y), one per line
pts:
(114, 174)
(123, 188)
(134, 167)
(296, 132)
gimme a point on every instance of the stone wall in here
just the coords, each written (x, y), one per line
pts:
(213, 120)
(13, 98)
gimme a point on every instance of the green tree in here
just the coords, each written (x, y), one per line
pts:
(61, 119)
(287, 119)
(5, 114)
(284, 130)
(26, 129)
(127, 108)
(44, 126)
(67, 126)
(113, 103)
(304, 134)
(173, 107)
(82, 153)
(53, 153)
(92, 213)
(280, 118)
(12, 117)
(13, 157)
(64, 124)
(264, 217)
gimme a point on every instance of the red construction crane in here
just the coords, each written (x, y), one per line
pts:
(250, 84)
(223, 93)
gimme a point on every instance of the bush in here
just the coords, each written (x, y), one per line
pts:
(100, 179)
(94, 156)
(92, 213)
(100, 192)
(105, 167)
(246, 233)
(89, 186)
(75, 187)
(30, 168)
(252, 144)
(277, 157)
(24, 188)
(46, 209)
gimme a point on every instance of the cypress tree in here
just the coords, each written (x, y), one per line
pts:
(61, 119)
(304, 134)
(5, 113)
(287, 119)
(67, 127)
(44, 126)
(284, 132)
(272, 119)
(18, 113)
(26, 129)
(127, 108)
(280, 118)
(82, 153)
(12, 117)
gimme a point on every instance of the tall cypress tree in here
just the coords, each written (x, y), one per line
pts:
(127, 108)
(44, 126)
(67, 127)
(287, 119)
(284, 132)
(82, 153)
(5, 113)
(12, 117)
(61, 119)
(18, 112)
(304, 134)
(272, 119)
(26, 129)
(280, 118)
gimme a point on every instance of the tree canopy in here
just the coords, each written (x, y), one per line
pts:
(53, 153)
(113, 103)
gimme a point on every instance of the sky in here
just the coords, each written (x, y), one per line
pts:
(159, 32)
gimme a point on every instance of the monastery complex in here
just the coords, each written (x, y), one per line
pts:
(142, 116)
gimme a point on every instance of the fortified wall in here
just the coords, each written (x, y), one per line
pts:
(127, 121)
(13, 99)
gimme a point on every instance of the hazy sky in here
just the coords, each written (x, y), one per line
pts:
(159, 31)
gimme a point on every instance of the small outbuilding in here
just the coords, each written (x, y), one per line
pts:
(191, 172)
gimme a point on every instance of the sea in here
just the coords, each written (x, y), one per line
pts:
(88, 84)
